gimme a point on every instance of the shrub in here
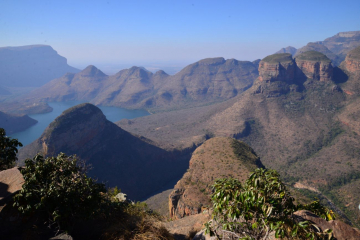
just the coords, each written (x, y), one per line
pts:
(258, 207)
(58, 187)
(8, 150)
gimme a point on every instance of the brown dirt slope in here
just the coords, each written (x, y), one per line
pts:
(218, 157)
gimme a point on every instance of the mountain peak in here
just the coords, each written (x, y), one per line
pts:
(92, 71)
(288, 49)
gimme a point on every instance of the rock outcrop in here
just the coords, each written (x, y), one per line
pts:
(15, 123)
(276, 75)
(352, 61)
(217, 158)
(11, 181)
(315, 65)
(277, 67)
(118, 158)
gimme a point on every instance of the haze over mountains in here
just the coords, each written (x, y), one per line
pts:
(31, 66)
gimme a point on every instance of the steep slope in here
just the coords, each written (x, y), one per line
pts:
(315, 65)
(218, 157)
(31, 66)
(305, 128)
(117, 157)
(15, 123)
(207, 81)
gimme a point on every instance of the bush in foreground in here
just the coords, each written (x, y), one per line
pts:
(260, 206)
(59, 188)
(8, 150)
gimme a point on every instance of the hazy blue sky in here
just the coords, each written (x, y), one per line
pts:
(170, 32)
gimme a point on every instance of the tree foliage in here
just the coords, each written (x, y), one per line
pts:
(260, 206)
(58, 187)
(8, 150)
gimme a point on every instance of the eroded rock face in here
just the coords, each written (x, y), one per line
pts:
(315, 65)
(217, 158)
(352, 61)
(277, 67)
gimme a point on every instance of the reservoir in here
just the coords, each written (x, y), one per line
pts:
(112, 114)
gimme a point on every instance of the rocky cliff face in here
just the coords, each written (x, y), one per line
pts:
(280, 73)
(277, 67)
(216, 158)
(315, 65)
(118, 158)
(352, 61)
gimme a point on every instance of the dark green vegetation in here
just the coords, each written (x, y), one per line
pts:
(276, 58)
(8, 150)
(58, 187)
(313, 56)
(57, 196)
(260, 206)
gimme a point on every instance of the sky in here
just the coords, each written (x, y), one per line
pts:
(173, 33)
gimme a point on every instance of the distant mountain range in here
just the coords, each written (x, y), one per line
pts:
(335, 47)
(207, 81)
(31, 66)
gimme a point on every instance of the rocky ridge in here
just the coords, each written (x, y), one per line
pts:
(206, 81)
